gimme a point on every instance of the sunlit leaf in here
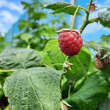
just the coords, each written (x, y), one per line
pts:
(34, 89)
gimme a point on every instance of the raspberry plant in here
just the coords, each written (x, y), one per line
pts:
(64, 78)
(34, 31)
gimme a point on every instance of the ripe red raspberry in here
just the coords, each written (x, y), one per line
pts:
(70, 42)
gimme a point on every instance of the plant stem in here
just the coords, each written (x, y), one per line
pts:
(86, 21)
(93, 20)
(84, 9)
(1, 71)
(69, 90)
(72, 3)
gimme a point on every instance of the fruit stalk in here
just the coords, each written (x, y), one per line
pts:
(73, 3)
(73, 20)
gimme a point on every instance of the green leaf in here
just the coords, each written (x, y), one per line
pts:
(19, 58)
(106, 72)
(91, 94)
(3, 76)
(33, 25)
(100, 45)
(23, 21)
(104, 18)
(106, 38)
(26, 37)
(93, 44)
(7, 108)
(52, 56)
(37, 15)
(34, 89)
(36, 4)
(64, 7)
(80, 65)
(22, 26)
(1, 91)
(26, 4)
(105, 105)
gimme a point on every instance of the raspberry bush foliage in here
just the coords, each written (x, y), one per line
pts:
(105, 18)
(65, 74)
